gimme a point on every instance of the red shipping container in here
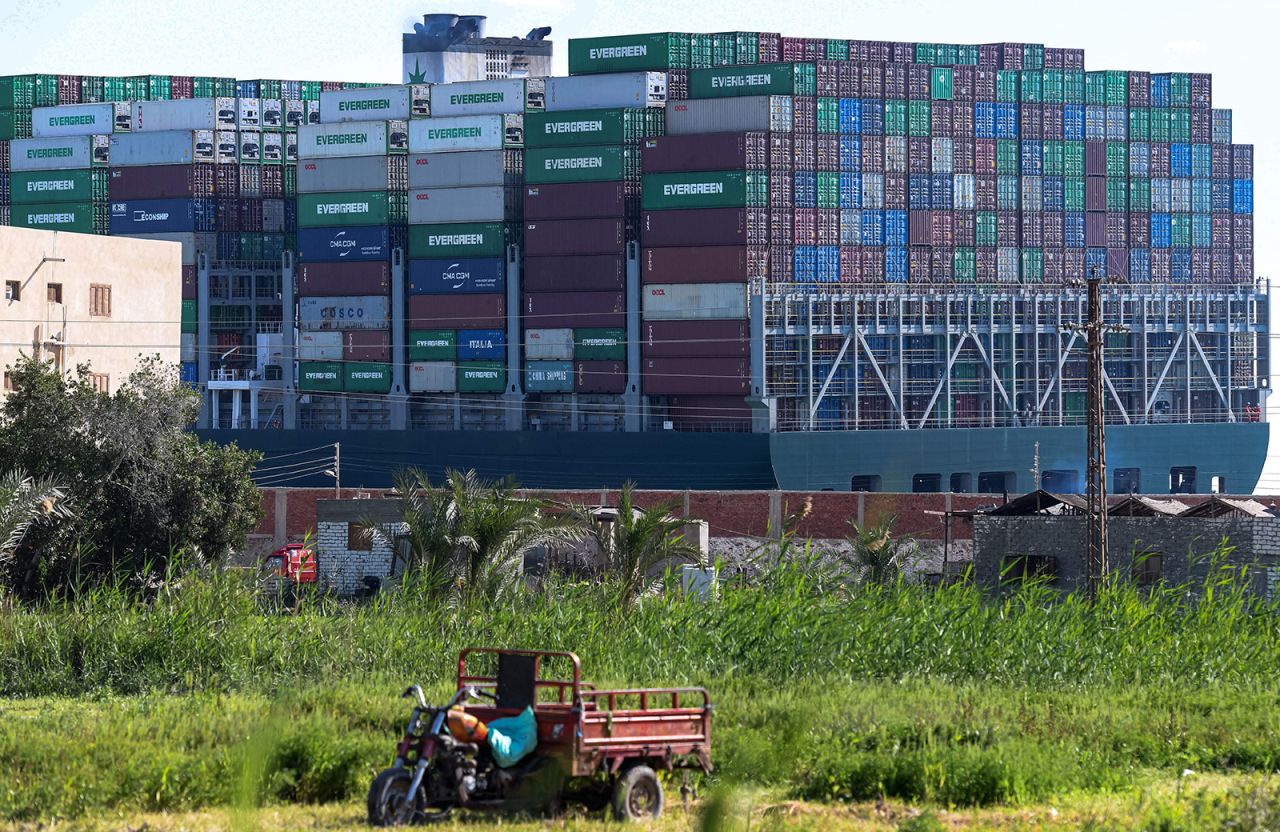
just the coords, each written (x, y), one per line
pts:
(984, 83)
(919, 264)
(920, 228)
(859, 51)
(1073, 58)
(1160, 265)
(873, 154)
(828, 77)
(828, 226)
(1222, 266)
(804, 113)
(1073, 264)
(1095, 193)
(272, 182)
(1053, 229)
(1139, 89)
(709, 413)
(1007, 228)
(781, 152)
(703, 376)
(1032, 229)
(942, 119)
(1201, 126)
(1052, 120)
(339, 279)
(895, 80)
(805, 150)
(792, 50)
(770, 47)
(227, 181)
(1201, 91)
(815, 49)
(918, 82)
(1095, 229)
(895, 191)
(1117, 231)
(848, 86)
(1011, 55)
(1030, 121)
(366, 345)
(161, 182)
(984, 192)
(1242, 262)
(962, 124)
(781, 232)
(250, 181)
(880, 50)
(962, 83)
(1053, 264)
(1118, 263)
(1095, 158)
(705, 227)
(781, 188)
(943, 270)
(1201, 266)
(985, 264)
(782, 263)
(919, 155)
(989, 55)
(871, 80)
(703, 264)
(705, 151)
(1220, 160)
(696, 339)
(190, 286)
(984, 157)
(962, 156)
(1053, 58)
(965, 223)
(1140, 230)
(1221, 230)
(547, 310)
(944, 231)
(457, 312)
(586, 273)
(850, 264)
(903, 52)
(600, 376)
(588, 236)
(68, 89)
(1242, 231)
(805, 226)
(182, 86)
(575, 200)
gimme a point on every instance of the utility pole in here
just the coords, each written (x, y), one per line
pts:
(337, 470)
(1096, 466)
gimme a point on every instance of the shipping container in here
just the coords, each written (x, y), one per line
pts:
(161, 182)
(457, 311)
(681, 301)
(575, 200)
(548, 344)
(479, 98)
(600, 377)
(575, 309)
(184, 115)
(548, 377)
(366, 377)
(76, 217)
(366, 345)
(191, 244)
(467, 169)
(628, 53)
(705, 189)
(596, 344)
(320, 346)
(482, 377)
(344, 312)
(601, 92)
(760, 79)
(352, 173)
(582, 273)
(391, 103)
(574, 237)
(706, 227)
(355, 208)
(320, 377)
(763, 113)
(59, 154)
(463, 205)
(555, 165)
(703, 264)
(77, 120)
(433, 376)
(170, 147)
(378, 138)
(344, 279)
(453, 240)
(344, 244)
(163, 216)
(706, 152)
(482, 344)
(433, 345)
(462, 133)
(592, 127)
(457, 277)
(696, 338)
(27, 187)
(704, 376)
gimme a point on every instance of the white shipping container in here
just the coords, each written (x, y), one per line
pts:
(320, 346)
(895, 154)
(548, 344)
(66, 153)
(943, 155)
(272, 112)
(458, 170)
(73, 120)
(172, 147)
(291, 147)
(691, 301)
(873, 191)
(420, 100)
(248, 114)
(488, 204)
(962, 191)
(273, 216)
(439, 135)
(350, 312)
(192, 243)
(372, 138)
(273, 147)
(1007, 265)
(730, 115)
(184, 114)
(369, 104)
(187, 347)
(295, 113)
(433, 377)
(478, 98)
(250, 146)
(607, 91)
(226, 147)
(349, 173)
(313, 113)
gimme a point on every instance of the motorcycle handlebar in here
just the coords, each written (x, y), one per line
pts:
(415, 692)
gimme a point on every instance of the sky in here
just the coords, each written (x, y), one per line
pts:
(359, 40)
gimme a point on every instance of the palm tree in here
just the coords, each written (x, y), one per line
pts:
(877, 554)
(635, 543)
(24, 503)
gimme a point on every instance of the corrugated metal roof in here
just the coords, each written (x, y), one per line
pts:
(1137, 506)
(1039, 502)
(1217, 506)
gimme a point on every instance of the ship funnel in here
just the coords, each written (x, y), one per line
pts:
(469, 26)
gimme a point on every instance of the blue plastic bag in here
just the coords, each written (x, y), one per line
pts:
(513, 738)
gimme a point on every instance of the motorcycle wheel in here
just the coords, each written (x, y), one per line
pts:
(388, 794)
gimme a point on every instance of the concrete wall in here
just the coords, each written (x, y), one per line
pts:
(145, 277)
(341, 568)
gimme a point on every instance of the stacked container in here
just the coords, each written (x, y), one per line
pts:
(59, 180)
(352, 183)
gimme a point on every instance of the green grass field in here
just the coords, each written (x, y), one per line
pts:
(202, 700)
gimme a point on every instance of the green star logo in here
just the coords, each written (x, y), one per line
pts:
(419, 75)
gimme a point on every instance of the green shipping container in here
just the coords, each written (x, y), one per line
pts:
(828, 189)
(77, 217)
(1053, 159)
(1179, 90)
(1032, 265)
(985, 228)
(366, 377)
(320, 376)
(964, 262)
(482, 377)
(1006, 86)
(1055, 89)
(895, 117)
(464, 239)
(926, 53)
(837, 49)
(1117, 82)
(1095, 87)
(555, 165)
(942, 84)
(571, 128)
(600, 344)
(1073, 159)
(1032, 86)
(22, 92)
(828, 115)
(1007, 157)
(15, 124)
(761, 79)
(58, 186)
(433, 345)
(1180, 230)
(1073, 404)
(705, 189)
(1140, 194)
(1073, 86)
(548, 377)
(91, 90)
(188, 319)
(1140, 124)
(1118, 195)
(629, 53)
(1117, 159)
(920, 118)
(1160, 120)
(1033, 55)
(354, 208)
(1180, 125)
(1073, 193)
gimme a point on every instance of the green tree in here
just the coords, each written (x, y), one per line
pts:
(143, 485)
(878, 556)
(636, 543)
(24, 503)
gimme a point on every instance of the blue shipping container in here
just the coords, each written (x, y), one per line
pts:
(1160, 90)
(872, 117)
(1180, 265)
(1139, 265)
(918, 192)
(1006, 121)
(828, 264)
(1073, 229)
(1073, 122)
(895, 228)
(871, 228)
(482, 345)
(350, 245)
(1180, 160)
(895, 264)
(850, 190)
(984, 119)
(1053, 196)
(1161, 230)
(806, 264)
(806, 189)
(850, 115)
(1095, 262)
(1095, 122)
(1032, 157)
(1201, 161)
(1242, 196)
(457, 277)
(161, 216)
(1201, 196)
(190, 373)
(1201, 231)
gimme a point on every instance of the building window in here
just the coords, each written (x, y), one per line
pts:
(961, 483)
(1019, 568)
(865, 482)
(99, 300)
(1182, 480)
(1127, 481)
(100, 382)
(926, 483)
(358, 538)
(1148, 569)
(12, 290)
(1061, 482)
(53, 292)
(1218, 485)
(8, 383)
(996, 482)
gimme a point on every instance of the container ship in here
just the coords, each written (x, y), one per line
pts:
(735, 260)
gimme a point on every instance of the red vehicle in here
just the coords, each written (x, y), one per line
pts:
(295, 562)
(597, 747)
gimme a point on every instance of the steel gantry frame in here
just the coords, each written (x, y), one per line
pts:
(1174, 343)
